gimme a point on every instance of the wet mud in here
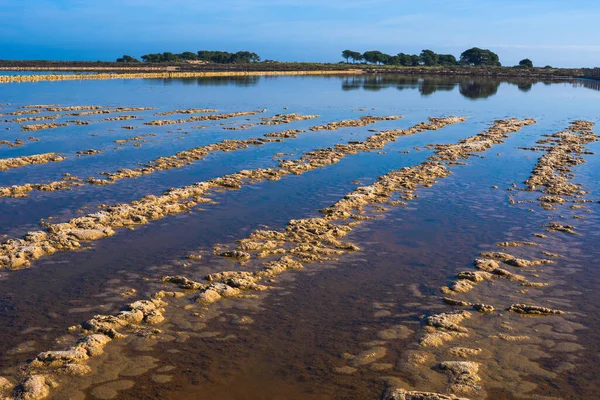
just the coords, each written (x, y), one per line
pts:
(68, 236)
(384, 293)
(182, 158)
(312, 240)
(509, 365)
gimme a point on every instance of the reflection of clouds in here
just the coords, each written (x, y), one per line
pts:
(469, 87)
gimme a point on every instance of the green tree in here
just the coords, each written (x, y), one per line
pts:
(394, 60)
(152, 57)
(222, 57)
(526, 63)
(169, 57)
(404, 59)
(429, 58)
(356, 56)
(219, 57)
(385, 59)
(254, 57)
(479, 57)
(347, 54)
(446, 59)
(188, 55)
(241, 57)
(204, 55)
(415, 60)
(127, 59)
(373, 56)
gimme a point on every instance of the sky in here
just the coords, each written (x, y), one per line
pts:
(560, 33)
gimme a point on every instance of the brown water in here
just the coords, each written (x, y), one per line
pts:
(298, 332)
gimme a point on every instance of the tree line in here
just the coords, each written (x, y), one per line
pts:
(473, 57)
(219, 57)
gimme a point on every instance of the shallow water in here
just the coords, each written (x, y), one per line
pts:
(301, 329)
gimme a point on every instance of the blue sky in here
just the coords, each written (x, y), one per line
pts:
(557, 32)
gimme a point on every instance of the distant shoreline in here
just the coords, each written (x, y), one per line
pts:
(183, 70)
(161, 75)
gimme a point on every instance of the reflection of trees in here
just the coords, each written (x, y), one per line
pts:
(430, 86)
(470, 87)
(525, 86)
(352, 83)
(216, 81)
(228, 81)
(478, 89)
(587, 83)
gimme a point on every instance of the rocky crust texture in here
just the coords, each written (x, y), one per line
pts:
(491, 283)
(17, 142)
(10, 163)
(209, 117)
(43, 373)
(18, 253)
(401, 394)
(553, 171)
(303, 241)
(182, 158)
(280, 119)
(321, 239)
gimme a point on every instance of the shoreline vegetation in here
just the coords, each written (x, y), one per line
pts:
(106, 70)
(205, 63)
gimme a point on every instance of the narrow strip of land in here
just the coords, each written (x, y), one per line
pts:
(178, 160)
(318, 236)
(18, 253)
(163, 75)
(17, 162)
(472, 298)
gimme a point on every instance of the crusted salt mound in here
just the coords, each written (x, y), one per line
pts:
(533, 310)
(10, 163)
(401, 394)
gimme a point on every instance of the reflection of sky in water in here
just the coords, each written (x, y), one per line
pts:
(514, 96)
(552, 104)
(442, 230)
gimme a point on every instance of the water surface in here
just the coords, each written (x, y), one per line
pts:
(300, 330)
